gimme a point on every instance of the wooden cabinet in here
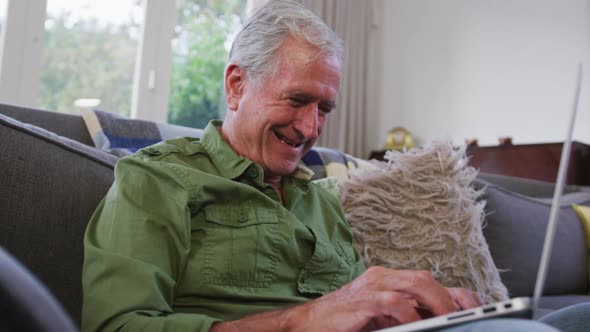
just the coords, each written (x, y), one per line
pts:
(532, 161)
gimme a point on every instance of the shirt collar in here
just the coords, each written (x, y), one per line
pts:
(228, 162)
(302, 172)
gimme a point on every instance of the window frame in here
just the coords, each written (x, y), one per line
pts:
(21, 56)
(151, 83)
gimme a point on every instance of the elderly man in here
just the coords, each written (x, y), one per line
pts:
(227, 232)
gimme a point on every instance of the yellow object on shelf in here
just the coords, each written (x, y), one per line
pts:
(398, 139)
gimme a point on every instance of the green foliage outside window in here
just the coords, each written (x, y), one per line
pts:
(199, 55)
(84, 59)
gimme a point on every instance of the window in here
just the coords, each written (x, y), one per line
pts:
(2, 14)
(138, 58)
(3, 4)
(89, 54)
(202, 39)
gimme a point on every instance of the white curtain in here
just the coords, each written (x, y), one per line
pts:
(352, 20)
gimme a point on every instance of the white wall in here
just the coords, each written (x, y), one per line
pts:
(457, 69)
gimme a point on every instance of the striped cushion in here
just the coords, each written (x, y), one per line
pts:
(327, 162)
(122, 136)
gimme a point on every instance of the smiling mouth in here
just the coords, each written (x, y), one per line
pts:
(285, 140)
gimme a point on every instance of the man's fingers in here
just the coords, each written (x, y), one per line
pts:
(477, 298)
(465, 298)
(421, 285)
(395, 306)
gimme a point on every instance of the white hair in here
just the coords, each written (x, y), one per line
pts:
(256, 44)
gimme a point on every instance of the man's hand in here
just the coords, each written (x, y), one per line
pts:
(464, 298)
(377, 299)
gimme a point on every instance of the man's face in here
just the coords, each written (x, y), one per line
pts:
(276, 123)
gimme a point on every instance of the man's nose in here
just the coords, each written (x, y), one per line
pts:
(307, 121)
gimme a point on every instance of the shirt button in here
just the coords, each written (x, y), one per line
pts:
(305, 277)
(252, 172)
(242, 218)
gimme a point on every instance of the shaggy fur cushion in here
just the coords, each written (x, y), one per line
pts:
(419, 212)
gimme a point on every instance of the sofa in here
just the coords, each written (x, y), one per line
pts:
(53, 178)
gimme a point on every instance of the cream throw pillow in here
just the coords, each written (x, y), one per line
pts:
(419, 212)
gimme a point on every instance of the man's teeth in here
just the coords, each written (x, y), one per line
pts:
(293, 145)
(286, 143)
(284, 140)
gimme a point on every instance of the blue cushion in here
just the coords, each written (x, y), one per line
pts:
(122, 136)
(326, 162)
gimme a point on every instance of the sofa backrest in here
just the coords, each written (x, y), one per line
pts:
(517, 214)
(50, 186)
(67, 125)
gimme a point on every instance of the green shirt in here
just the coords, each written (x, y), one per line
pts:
(189, 234)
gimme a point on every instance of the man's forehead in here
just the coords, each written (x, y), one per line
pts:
(296, 50)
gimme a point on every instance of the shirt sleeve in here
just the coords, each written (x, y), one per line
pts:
(135, 249)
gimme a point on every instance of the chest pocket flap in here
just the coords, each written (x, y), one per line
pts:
(240, 247)
(239, 216)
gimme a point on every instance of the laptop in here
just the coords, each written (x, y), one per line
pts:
(520, 307)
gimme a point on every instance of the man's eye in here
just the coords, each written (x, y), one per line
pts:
(296, 102)
(326, 109)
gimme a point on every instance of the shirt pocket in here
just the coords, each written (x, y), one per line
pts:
(240, 246)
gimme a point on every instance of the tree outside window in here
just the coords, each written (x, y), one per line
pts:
(201, 45)
(89, 56)
(89, 53)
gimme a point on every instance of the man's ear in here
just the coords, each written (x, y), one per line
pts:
(235, 78)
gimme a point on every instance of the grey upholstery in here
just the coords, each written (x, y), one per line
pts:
(515, 233)
(49, 186)
(26, 304)
(70, 126)
(527, 187)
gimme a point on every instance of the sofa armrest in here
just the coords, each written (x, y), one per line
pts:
(50, 186)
